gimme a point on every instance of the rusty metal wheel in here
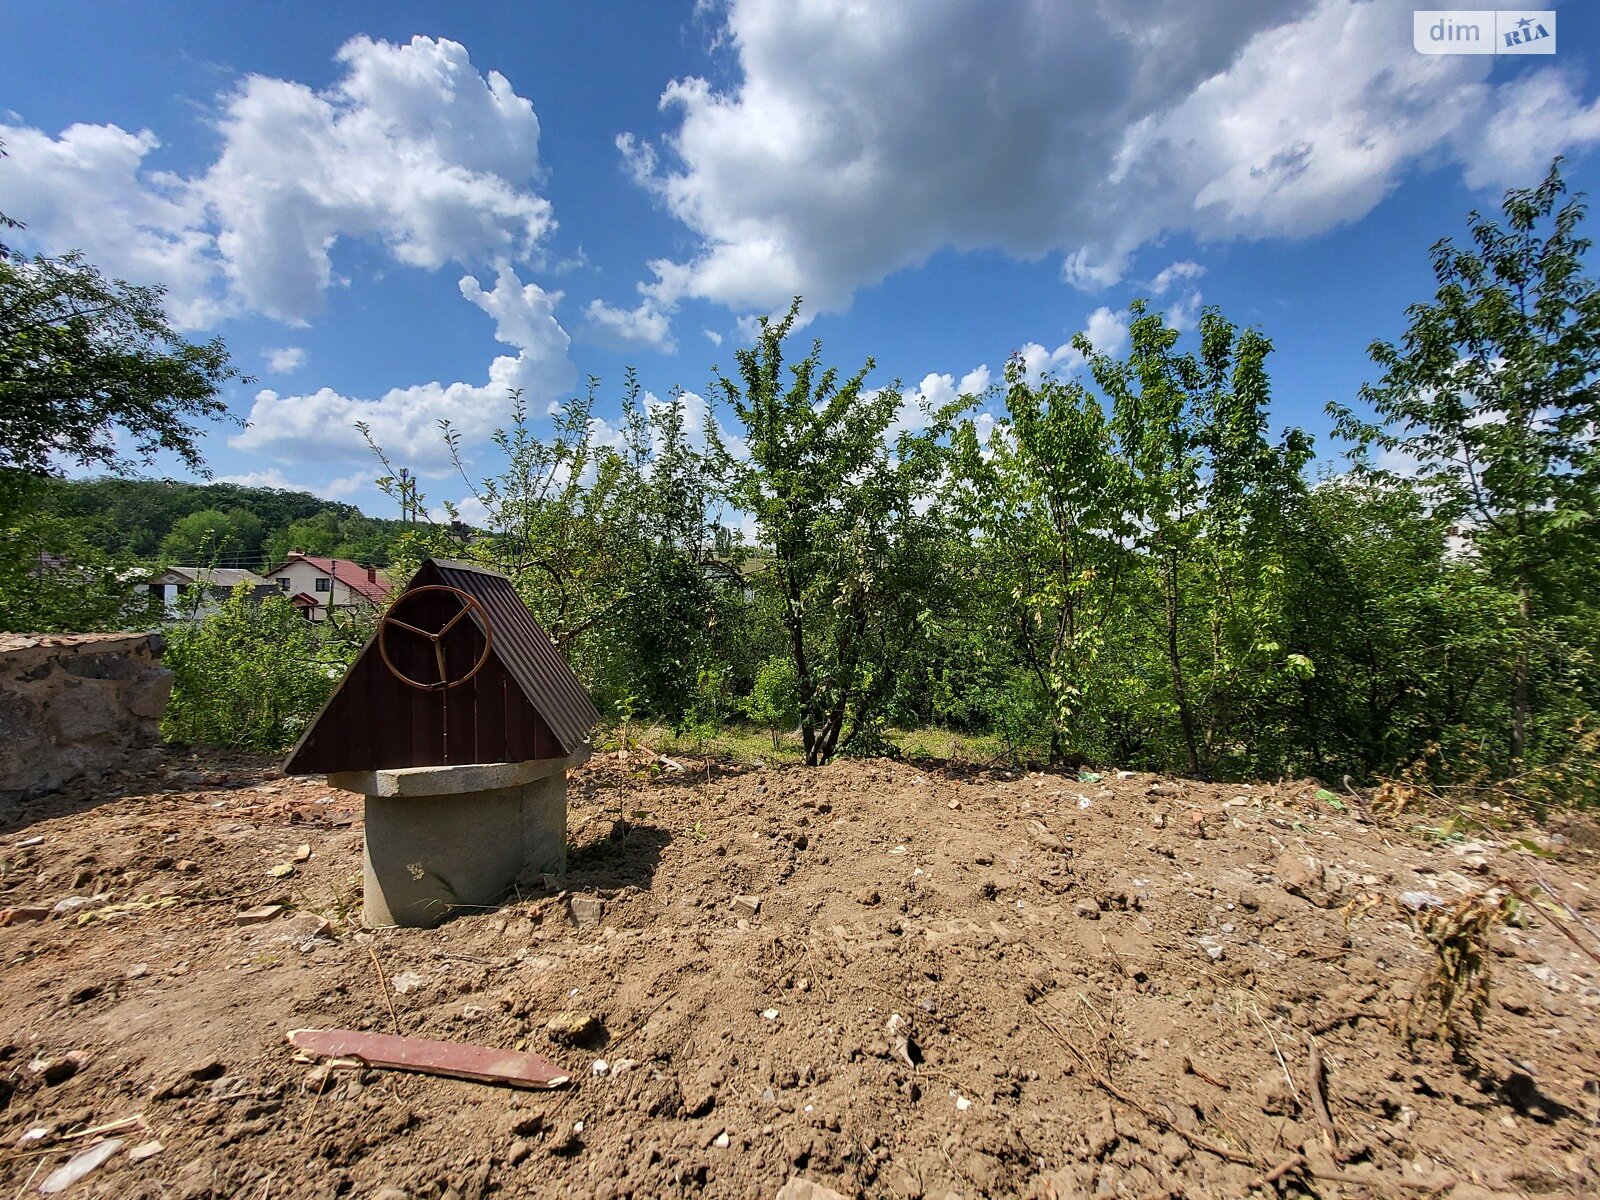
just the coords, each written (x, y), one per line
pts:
(469, 605)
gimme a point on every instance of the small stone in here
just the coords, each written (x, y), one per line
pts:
(868, 896)
(145, 1150)
(56, 1071)
(586, 911)
(282, 870)
(138, 971)
(186, 866)
(1086, 910)
(232, 1087)
(74, 904)
(600, 1069)
(1214, 953)
(302, 852)
(317, 1080)
(572, 1028)
(205, 1069)
(1298, 875)
(799, 1188)
(745, 906)
(259, 914)
(22, 913)
(407, 981)
(770, 1014)
(722, 1141)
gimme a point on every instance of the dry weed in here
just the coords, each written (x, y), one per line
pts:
(1454, 988)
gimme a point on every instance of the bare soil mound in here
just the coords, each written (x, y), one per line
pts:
(884, 980)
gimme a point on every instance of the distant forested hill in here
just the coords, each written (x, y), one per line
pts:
(221, 524)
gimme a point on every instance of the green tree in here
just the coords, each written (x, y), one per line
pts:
(851, 546)
(1208, 492)
(1492, 394)
(1408, 642)
(211, 538)
(84, 359)
(1048, 503)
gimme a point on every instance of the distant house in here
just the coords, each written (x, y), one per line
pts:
(192, 592)
(316, 585)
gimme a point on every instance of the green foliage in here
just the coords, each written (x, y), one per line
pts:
(773, 700)
(1206, 494)
(1047, 502)
(210, 537)
(52, 581)
(249, 677)
(84, 360)
(331, 533)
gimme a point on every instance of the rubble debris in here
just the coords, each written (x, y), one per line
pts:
(586, 911)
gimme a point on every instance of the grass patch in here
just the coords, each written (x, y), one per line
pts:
(753, 745)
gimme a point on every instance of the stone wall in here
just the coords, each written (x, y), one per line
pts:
(76, 703)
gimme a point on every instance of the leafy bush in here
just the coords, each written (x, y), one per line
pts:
(249, 677)
(772, 702)
(52, 581)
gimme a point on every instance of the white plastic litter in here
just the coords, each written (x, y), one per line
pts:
(79, 1165)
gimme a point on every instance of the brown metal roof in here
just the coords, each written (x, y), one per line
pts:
(524, 703)
(524, 648)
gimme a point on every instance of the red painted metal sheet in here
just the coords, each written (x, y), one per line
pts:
(456, 1059)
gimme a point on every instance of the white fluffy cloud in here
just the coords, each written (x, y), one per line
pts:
(284, 360)
(272, 477)
(404, 421)
(857, 139)
(645, 325)
(1540, 115)
(1106, 330)
(1175, 274)
(88, 190)
(412, 149)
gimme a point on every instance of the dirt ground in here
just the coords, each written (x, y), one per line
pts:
(981, 984)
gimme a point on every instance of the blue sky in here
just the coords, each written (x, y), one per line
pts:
(393, 212)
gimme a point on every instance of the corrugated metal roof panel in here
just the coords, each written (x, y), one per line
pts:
(526, 650)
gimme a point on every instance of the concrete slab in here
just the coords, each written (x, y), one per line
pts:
(451, 781)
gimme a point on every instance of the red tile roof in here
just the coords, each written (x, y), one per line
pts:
(352, 575)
